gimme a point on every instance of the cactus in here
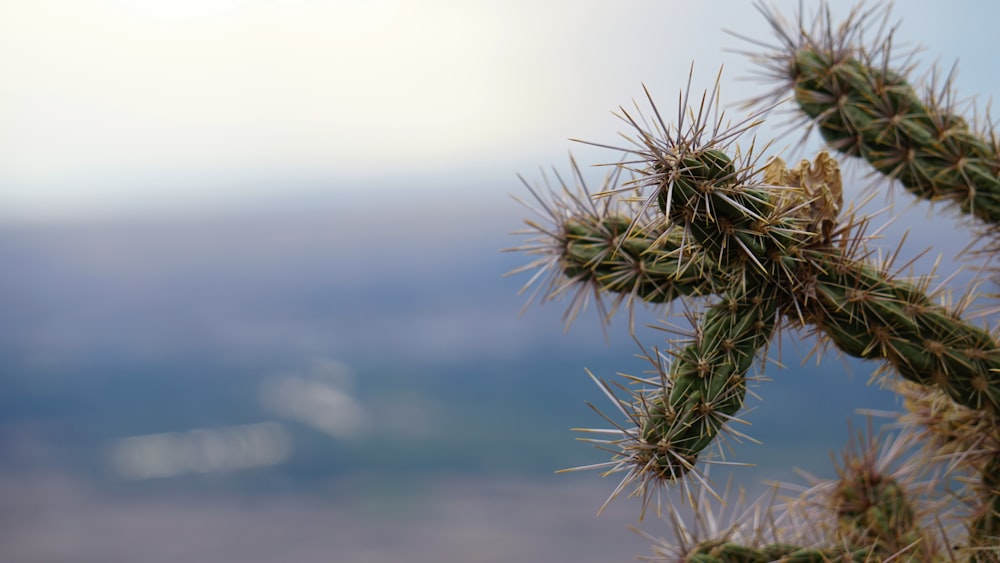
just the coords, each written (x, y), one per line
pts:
(755, 248)
(844, 86)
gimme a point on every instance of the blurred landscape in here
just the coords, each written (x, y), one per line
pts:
(252, 303)
(327, 384)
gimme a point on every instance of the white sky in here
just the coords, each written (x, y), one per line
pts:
(125, 103)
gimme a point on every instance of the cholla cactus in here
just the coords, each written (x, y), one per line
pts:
(848, 87)
(755, 247)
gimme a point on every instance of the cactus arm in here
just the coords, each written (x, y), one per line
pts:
(591, 249)
(708, 383)
(867, 314)
(617, 259)
(863, 109)
(844, 78)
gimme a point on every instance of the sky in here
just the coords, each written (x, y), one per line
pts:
(114, 106)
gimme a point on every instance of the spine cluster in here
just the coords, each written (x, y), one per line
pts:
(863, 109)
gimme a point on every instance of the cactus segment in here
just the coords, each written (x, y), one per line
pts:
(618, 260)
(701, 192)
(589, 249)
(708, 377)
(868, 315)
(874, 510)
(730, 552)
(844, 85)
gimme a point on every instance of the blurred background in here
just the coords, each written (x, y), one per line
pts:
(252, 304)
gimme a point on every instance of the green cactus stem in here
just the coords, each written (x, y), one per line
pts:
(863, 110)
(731, 552)
(619, 259)
(867, 314)
(593, 249)
(708, 381)
(845, 86)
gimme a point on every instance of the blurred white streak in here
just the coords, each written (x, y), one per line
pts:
(202, 450)
(319, 399)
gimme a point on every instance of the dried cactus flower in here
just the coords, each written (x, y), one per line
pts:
(821, 186)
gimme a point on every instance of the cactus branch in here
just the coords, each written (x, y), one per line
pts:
(589, 249)
(848, 86)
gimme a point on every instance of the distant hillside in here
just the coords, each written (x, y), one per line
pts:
(120, 330)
